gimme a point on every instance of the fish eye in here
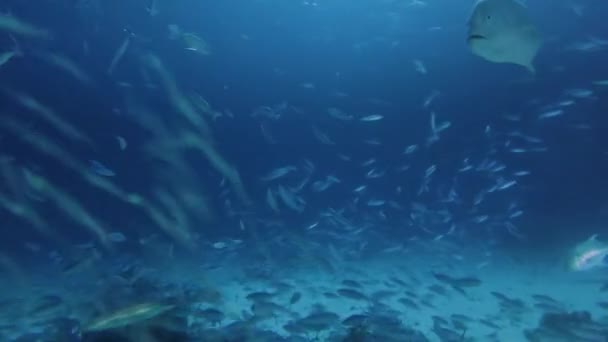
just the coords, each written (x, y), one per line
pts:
(489, 17)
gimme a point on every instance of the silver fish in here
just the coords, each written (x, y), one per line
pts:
(373, 117)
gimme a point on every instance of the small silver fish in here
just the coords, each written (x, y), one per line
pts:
(278, 173)
(551, 114)
(122, 142)
(120, 51)
(5, 57)
(117, 237)
(375, 203)
(411, 149)
(101, 169)
(373, 117)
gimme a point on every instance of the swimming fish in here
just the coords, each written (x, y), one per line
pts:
(122, 142)
(278, 173)
(501, 31)
(588, 255)
(5, 57)
(101, 169)
(191, 41)
(372, 117)
(121, 51)
(12, 24)
(116, 237)
(127, 316)
(153, 8)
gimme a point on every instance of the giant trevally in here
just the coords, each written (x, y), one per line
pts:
(501, 31)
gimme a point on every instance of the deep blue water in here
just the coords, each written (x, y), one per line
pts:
(261, 53)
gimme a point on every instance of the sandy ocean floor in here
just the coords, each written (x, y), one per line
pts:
(508, 297)
(573, 292)
(537, 286)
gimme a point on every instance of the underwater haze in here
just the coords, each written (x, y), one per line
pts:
(303, 170)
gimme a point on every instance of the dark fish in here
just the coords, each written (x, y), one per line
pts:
(415, 280)
(352, 294)
(214, 316)
(351, 283)
(446, 334)
(460, 321)
(388, 284)
(259, 296)
(568, 326)
(411, 294)
(548, 304)
(318, 307)
(398, 281)
(443, 278)
(409, 303)
(319, 321)
(509, 303)
(462, 318)
(281, 286)
(457, 282)
(459, 290)
(263, 309)
(382, 294)
(295, 328)
(428, 304)
(547, 307)
(295, 297)
(500, 296)
(355, 320)
(330, 295)
(489, 323)
(544, 298)
(206, 295)
(438, 289)
(459, 325)
(385, 321)
(440, 320)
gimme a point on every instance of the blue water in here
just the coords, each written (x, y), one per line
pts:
(309, 56)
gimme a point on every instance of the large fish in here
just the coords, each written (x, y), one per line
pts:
(127, 316)
(589, 254)
(501, 31)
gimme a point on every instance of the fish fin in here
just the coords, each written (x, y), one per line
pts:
(592, 237)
